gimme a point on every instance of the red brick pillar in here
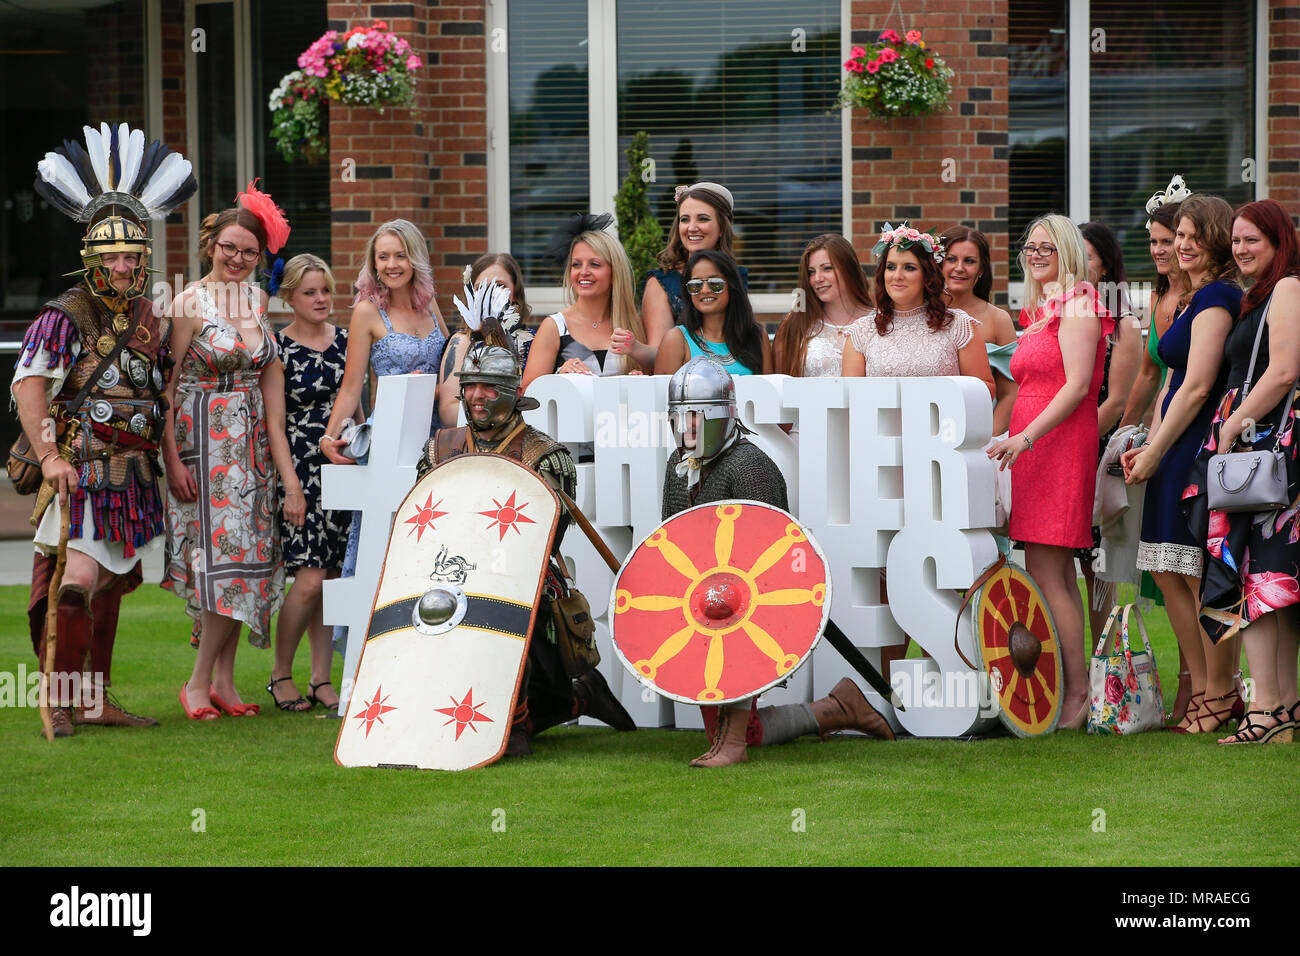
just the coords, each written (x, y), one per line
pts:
(936, 171)
(1284, 105)
(427, 162)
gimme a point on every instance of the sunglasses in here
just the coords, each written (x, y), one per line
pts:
(717, 285)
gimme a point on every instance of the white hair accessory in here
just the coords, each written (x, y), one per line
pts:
(680, 193)
(1176, 191)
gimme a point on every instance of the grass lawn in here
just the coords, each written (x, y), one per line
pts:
(266, 790)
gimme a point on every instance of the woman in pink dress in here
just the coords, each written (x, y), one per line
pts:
(1052, 448)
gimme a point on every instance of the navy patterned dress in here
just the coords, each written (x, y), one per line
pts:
(311, 382)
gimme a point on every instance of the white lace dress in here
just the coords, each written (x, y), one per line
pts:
(824, 356)
(910, 349)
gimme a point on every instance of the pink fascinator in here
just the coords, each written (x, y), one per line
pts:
(268, 213)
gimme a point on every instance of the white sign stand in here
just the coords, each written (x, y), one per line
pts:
(404, 407)
(887, 473)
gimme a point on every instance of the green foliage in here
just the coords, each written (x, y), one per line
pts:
(638, 229)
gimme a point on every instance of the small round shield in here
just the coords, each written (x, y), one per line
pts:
(1021, 655)
(720, 603)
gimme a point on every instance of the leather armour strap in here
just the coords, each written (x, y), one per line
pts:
(980, 581)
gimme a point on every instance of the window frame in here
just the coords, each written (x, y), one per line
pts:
(602, 99)
(1079, 109)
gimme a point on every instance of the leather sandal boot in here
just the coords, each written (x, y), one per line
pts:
(847, 708)
(595, 699)
(729, 745)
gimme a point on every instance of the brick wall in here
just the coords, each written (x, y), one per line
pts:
(1284, 105)
(427, 164)
(899, 165)
(175, 45)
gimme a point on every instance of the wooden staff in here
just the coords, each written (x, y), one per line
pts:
(52, 617)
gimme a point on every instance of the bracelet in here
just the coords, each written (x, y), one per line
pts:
(1029, 442)
(47, 455)
(327, 438)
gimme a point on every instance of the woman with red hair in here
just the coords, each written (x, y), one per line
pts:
(1250, 581)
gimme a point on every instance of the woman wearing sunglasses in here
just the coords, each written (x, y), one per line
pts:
(717, 321)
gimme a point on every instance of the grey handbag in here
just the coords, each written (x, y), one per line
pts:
(1252, 480)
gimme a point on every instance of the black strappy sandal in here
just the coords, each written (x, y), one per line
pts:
(311, 696)
(292, 706)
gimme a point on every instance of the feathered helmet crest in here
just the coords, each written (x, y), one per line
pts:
(116, 184)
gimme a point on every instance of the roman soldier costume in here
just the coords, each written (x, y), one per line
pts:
(715, 462)
(102, 352)
(549, 696)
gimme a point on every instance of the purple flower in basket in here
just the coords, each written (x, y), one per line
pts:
(1114, 689)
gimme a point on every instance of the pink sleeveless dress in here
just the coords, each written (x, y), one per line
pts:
(1053, 484)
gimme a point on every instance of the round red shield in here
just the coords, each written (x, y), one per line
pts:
(720, 603)
(1022, 657)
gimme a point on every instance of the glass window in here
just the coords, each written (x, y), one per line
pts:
(1038, 116)
(82, 63)
(732, 93)
(214, 96)
(1173, 92)
(281, 31)
(549, 146)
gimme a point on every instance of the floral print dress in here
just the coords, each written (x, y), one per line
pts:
(312, 380)
(223, 548)
(1253, 557)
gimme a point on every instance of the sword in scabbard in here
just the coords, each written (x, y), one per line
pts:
(858, 661)
(592, 534)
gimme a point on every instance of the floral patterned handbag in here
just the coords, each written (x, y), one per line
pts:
(1125, 686)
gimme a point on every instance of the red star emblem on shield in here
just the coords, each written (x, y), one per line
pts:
(424, 517)
(464, 713)
(375, 710)
(507, 515)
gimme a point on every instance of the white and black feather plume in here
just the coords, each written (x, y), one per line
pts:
(489, 314)
(115, 168)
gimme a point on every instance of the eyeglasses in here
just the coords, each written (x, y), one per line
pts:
(232, 251)
(1045, 250)
(717, 285)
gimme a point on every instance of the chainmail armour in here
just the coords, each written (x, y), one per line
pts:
(533, 448)
(743, 471)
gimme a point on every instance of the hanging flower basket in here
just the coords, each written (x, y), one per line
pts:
(297, 124)
(896, 76)
(367, 66)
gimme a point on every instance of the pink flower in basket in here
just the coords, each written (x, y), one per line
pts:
(889, 36)
(1114, 689)
(914, 37)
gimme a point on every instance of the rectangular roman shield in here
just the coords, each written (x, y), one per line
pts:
(448, 635)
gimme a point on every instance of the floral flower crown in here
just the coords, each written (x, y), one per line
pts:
(1176, 191)
(904, 236)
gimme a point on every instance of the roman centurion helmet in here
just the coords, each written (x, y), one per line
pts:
(703, 386)
(116, 184)
(499, 367)
(493, 356)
